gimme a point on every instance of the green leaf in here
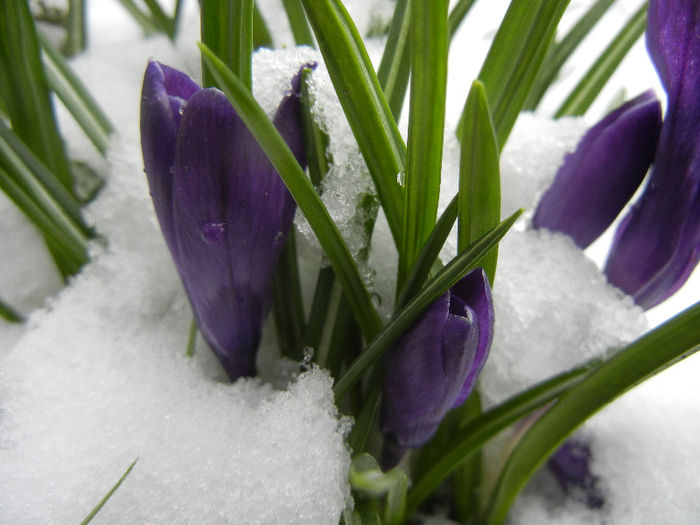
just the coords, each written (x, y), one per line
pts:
(395, 65)
(75, 97)
(657, 350)
(298, 23)
(440, 459)
(76, 28)
(458, 14)
(437, 286)
(515, 57)
(319, 308)
(479, 176)
(560, 52)
(10, 314)
(466, 479)
(363, 102)
(148, 25)
(315, 140)
(301, 189)
(428, 39)
(600, 72)
(191, 339)
(227, 29)
(25, 91)
(364, 422)
(366, 477)
(288, 303)
(104, 500)
(261, 34)
(162, 20)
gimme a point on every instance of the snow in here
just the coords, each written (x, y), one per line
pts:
(98, 377)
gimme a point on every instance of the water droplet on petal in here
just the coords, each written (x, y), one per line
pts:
(213, 232)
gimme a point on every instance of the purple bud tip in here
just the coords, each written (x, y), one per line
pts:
(598, 179)
(571, 466)
(434, 366)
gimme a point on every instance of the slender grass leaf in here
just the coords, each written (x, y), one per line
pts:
(10, 314)
(515, 58)
(600, 72)
(428, 40)
(466, 479)
(437, 286)
(288, 303)
(148, 25)
(560, 52)
(458, 14)
(24, 88)
(75, 97)
(657, 350)
(76, 28)
(191, 339)
(104, 500)
(429, 253)
(177, 16)
(319, 308)
(364, 423)
(298, 23)
(367, 477)
(363, 102)
(479, 176)
(162, 20)
(395, 66)
(261, 34)
(301, 189)
(315, 140)
(442, 459)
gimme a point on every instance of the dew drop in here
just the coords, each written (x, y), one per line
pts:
(401, 178)
(213, 232)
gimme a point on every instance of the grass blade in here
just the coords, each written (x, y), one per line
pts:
(600, 72)
(261, 34)
(515, 57)
(363, 102)
(395, 65)
(148, 25)
(104, 500)
(25, 90)
(298, 23)
(403, 319)
(76, 28)
(9, 314)
(425, 127)
(288, 304)
(652, 353)
(479, 176)
(301, 189)
(560, 52)
(458, 14)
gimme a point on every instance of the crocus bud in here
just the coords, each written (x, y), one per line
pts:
(657, 245)
(599, 178)
(224, 211)
(571, 466)
(435, 364)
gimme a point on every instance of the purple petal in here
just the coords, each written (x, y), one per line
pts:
(599, 178)
(165, 91)
(571, 466)
(474, 290)
(657, 245)
(425, 371)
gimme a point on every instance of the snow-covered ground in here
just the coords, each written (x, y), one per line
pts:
(99, 376)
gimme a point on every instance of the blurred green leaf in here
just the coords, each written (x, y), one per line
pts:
(298, 23)
(395, 66)
(366, 477)
(104, 500)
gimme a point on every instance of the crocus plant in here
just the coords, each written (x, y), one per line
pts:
(224, 212)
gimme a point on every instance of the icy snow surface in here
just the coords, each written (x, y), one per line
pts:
(100, 377)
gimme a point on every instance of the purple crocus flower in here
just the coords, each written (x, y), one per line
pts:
(435, 364)
(571, 466)
(599, 178)
(224, 211)
(657, 245)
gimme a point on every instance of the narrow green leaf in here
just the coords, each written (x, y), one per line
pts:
(315, 140)
(76, 28)
(10, 314)
(363, 102)
(515, 57)
(458, 14)
(479, 176)
(600, 72)
(559, 53)
(395, 66)
(24, 88)
(428, 40)
(261, 34)
(288, 303)
(148, 25)
(366, 477)
(466, 479)
(191, 339)
(657, 350)
(75, 97)
(227, 29)
(319, 308)
(298, 23)
(429, 254)
(437, 286)
(442, 459)
(104, 500)
(301, 189)
(177, 15)
(162, 20)
(364, 422)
